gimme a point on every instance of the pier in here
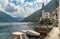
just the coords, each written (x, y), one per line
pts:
(53, 34)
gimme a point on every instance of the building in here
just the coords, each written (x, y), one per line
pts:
(52, 16)
(44, 13)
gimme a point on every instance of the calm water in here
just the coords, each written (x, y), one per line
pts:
(7, 28)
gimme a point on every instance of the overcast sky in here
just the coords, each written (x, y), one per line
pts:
(21, 8)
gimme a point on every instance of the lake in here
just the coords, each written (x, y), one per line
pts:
(6, 28)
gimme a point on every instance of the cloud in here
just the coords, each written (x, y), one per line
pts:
(21, 11)
(16, 11)
(22, 1)
(0, 7)
(5, 2)
(29, 0)
(39, 0)
(28, 3)
(27, 7)
(10, 0)
(43, 1)
(10, 8)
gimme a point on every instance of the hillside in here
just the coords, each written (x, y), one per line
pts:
(7, 18)
(36, 15)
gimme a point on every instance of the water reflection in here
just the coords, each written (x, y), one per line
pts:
(7, 28)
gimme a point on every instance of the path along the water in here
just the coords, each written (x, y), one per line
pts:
(54, 34)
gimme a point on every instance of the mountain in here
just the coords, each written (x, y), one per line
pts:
(36, 15)
(7, 18)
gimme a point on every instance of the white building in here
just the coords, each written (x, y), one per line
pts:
(44, 13)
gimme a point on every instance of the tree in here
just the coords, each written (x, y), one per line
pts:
(45, 21)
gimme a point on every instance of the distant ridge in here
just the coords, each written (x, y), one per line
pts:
(7, 18)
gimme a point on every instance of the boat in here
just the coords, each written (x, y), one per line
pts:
(31, 32)
(18, 35)
(42, 29)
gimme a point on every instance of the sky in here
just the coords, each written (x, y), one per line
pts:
(21, 8)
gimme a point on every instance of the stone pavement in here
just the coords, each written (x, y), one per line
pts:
(54, 34)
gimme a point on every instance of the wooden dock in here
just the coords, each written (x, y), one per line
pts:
(53, 34)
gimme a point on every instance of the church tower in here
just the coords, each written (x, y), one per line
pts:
(43, 8)
(45, 14)
(43, 11)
